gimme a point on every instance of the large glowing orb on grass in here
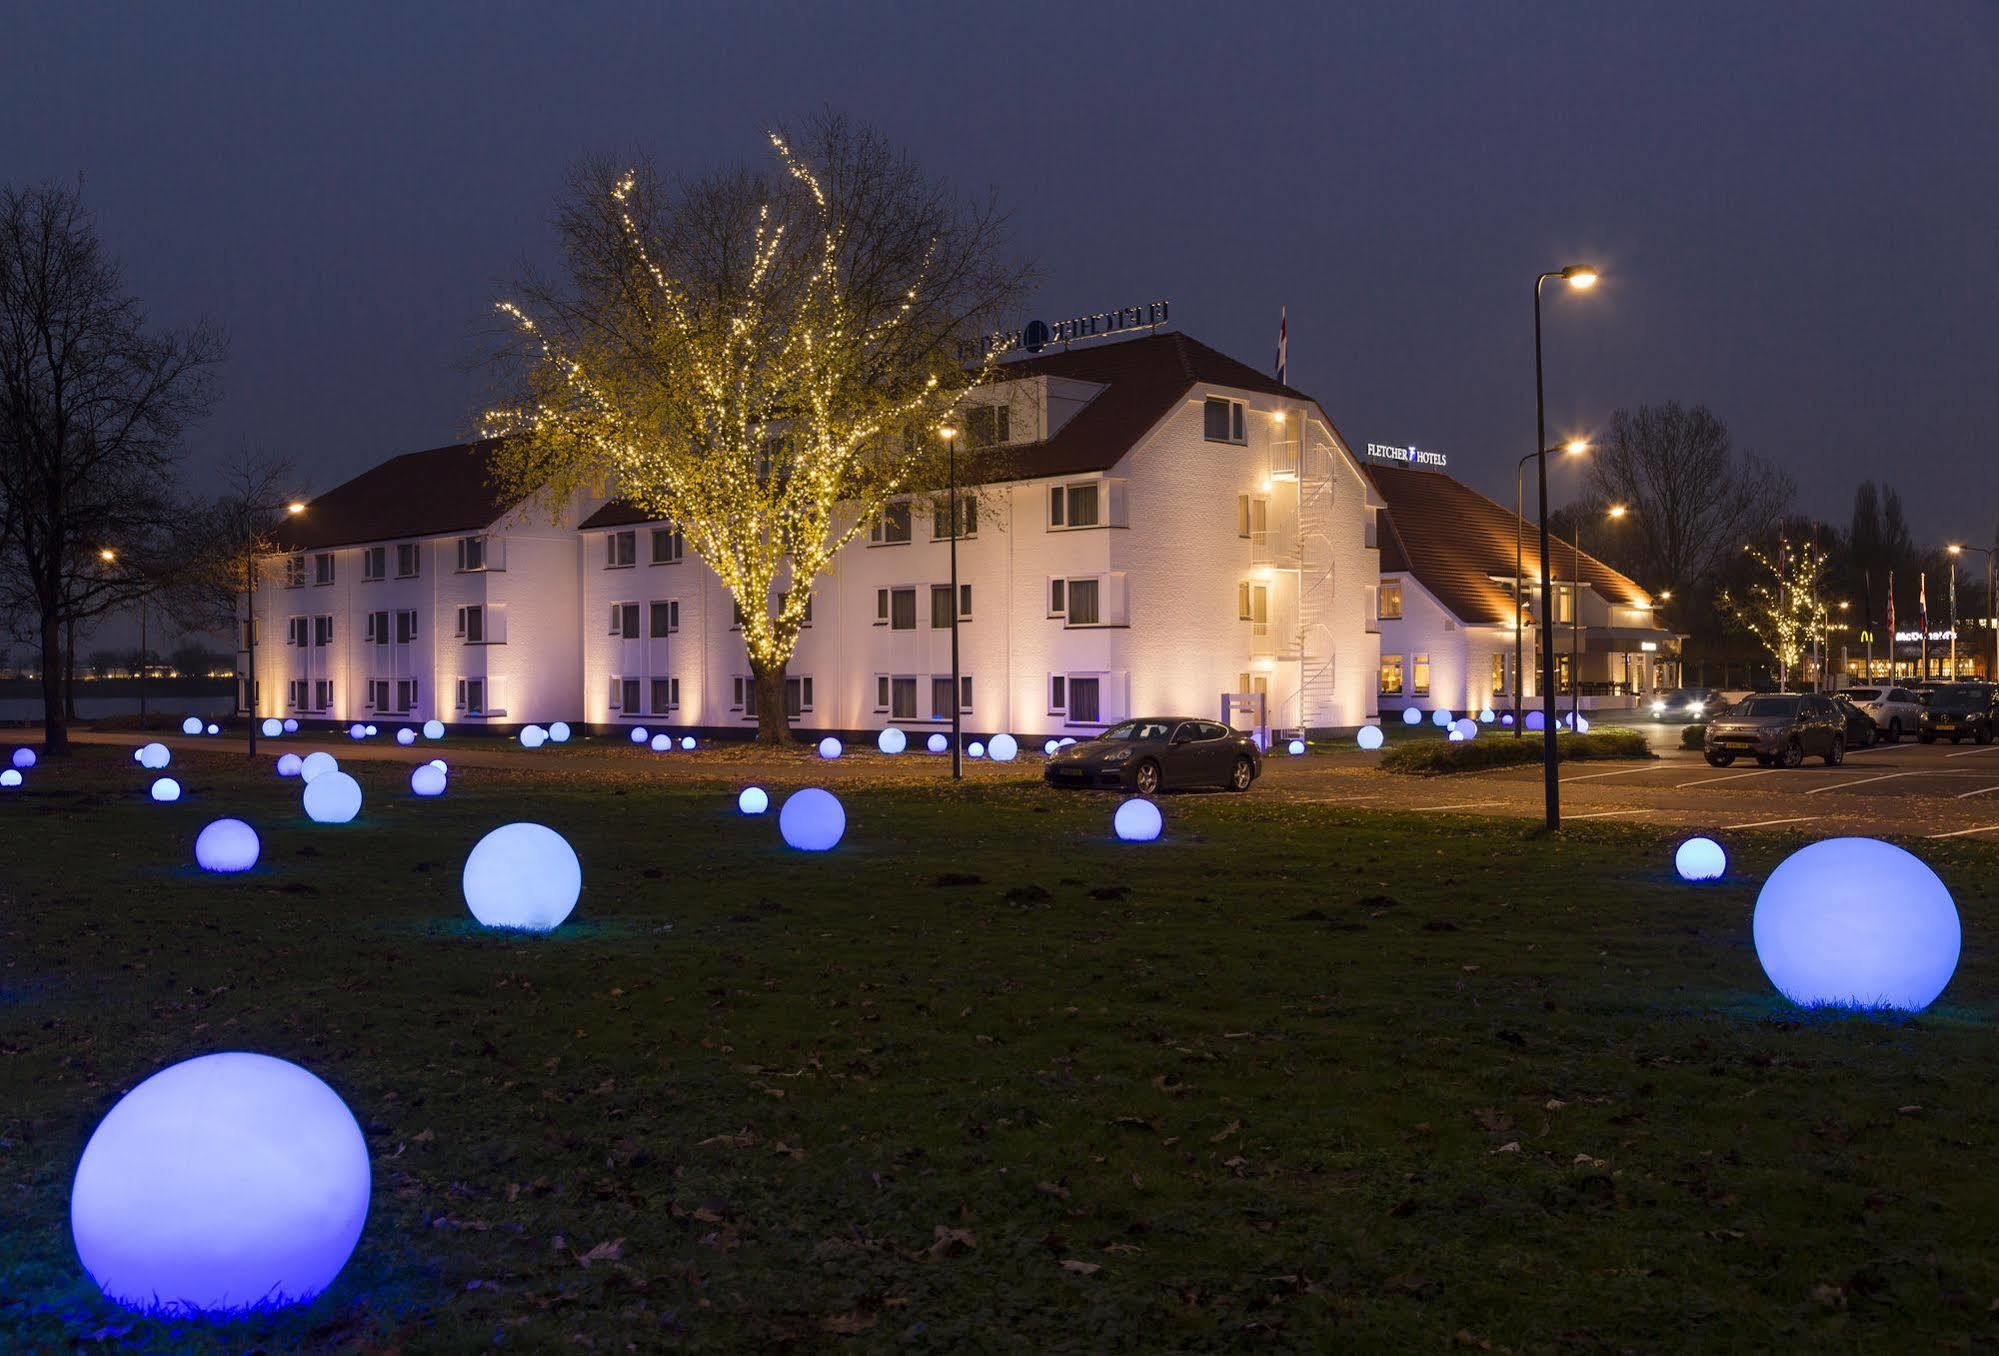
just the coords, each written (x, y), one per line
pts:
(937, 743)
(1411, 716)
(662, 743)
(639, 734)
(1856, 923)
(333, 798)
(165, 789)
(1700, 859)
(226, 845)
(427, 781)
(406, 736)
(1466, 728)
(811, 819)
(289, 764)
(227, 1183)
(191, 726)
(1137, 821)
(272, 727)
(754, 800)
(891, 740)
(317, 764)
(522, 876)
(1369, 737)
(1003, 748)
(24, 758)
(11, 778)
(155, 756)
(433, 729)
(1537, 720)
(829, 747)
(533, 736)
(1296, 748)
(559, 732)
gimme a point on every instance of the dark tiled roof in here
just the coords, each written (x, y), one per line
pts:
(1454, 540)
(419, 494)
(1143, 379)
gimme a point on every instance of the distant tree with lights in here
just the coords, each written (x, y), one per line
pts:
(761, 358)
(1784, 607)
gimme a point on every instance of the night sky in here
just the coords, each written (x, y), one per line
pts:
(1796, 206)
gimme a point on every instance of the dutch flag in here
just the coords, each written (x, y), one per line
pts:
(1283, 341)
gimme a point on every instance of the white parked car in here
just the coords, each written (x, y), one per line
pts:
(1894, 710)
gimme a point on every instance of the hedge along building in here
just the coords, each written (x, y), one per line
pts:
(1445, 605)
(1168, 527)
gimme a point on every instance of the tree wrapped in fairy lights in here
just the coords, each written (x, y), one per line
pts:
(760, 358)
(1784, 608)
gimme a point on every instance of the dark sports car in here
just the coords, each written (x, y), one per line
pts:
(1159, 753)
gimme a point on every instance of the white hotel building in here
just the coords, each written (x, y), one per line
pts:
(1174, 528)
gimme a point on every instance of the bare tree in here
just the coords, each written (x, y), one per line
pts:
(760, 357)
(1695, 500)
(93, 403)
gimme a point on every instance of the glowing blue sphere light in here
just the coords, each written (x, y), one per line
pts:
(662, 743)
(1003, 748)
(829, 747)
(24, 758)
(214, 729)
(559, 732)
(522, 876)
(891, 740)
(406, 736)
(290, 725)
(332, 798)
(433, 729)
(370, 731)
(226, 845)
(357, 731)
(1537, 720)
(427, 780)
(1411, 716)
(1441, 717)
(1369, 737)
(1856, 923)
(222, 1184)
(155, 756)
(687, 743)
(317, 764)
(1485, 716)
(533, 736)
(753, 801)
(289, 764)
(1506, 718)
(272, 727)
(811, 819)
(165, 789)
(1049, 748)
(1466, 728)
(1700, 859)
(1137, 821)
(640, 734)
(937, 743)
(191, 726)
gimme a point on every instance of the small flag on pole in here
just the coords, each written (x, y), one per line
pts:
(1283, 341)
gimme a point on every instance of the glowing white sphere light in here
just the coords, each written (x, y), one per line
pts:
(139, 755)
(1369, 737)
(1856, 922)
(1296, 748)
(371, 732)
(332, 798)
(811, 819)
(1456, 736)
(317, 764)
(11, 778)
(639, 734)
(1050, 747)
(1411, 716)
(937, 743)
(559, 732)
(165, 788)
(753, 801)
(221, 1184)
(433, 729)
(522, 876)
(891, 740)
(1700, 859)
(192, 725)
(687, 743)
(215, 729)
(357, 731)
(533, 736)
(1137, 820)
(1485, 715)
(1065, 742)
(427, 781)
(438, 763)
(1582, 724)
(975, 750)
(155, 756)
(1506, 719)
(290, 725)
(1003, 748)
(24, 758)
(406, 736)
(1466, 728)
(289, 764)
(1441, 717)
(226, 845)
(272, 727)
(829, 747)
(661, 743)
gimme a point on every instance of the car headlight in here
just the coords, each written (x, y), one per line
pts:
(1117, 756)
(1658, 708)
(1697, 708)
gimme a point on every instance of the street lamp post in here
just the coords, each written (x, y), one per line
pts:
(1574, 447)
(949, 433)
(292, 509)
(1615, 512)
(1580, 277)
(1991, 606)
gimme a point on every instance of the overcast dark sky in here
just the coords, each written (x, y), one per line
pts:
(1796, 205)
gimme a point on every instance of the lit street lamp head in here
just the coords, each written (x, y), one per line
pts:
(1954, 549)
(947, 431)
(295, 508)
(1580, 276)
(1575, 447)
(1618, 510)
(107, 555)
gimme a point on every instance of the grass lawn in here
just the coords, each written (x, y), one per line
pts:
(984, 1078)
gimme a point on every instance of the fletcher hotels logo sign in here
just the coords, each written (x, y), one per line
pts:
(1408, 456)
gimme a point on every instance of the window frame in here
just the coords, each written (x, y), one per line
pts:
(1235, 420)
(879, 526)
(1382, 592)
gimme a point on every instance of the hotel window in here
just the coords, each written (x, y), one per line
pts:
(322, 694)
(1391, 675)
(1253, 684)
(295, 692)
(988, 426)
(620, 550)
(940, 695)
(294, 572)
(472, 624)
(322, 632)
(1421, 672)
(1252, 517)
(295, 631)
(1499, 667)
(405, 627)
(665, 618)
(405, 696)
(669, 545)
(940, 605)
(891, 526)
(1388, 605)
(322, 568)
(665, 695)
(625, 620)
(378, 694)
(940, 517)
(374, 563)
(1253, 606)
(900, 608)
(1073, 505)
(797, 696)
(376, 631)
(628, 693)
(1565, 604)
(472, 696)
(902, 698)
(1222, 422)
(409, 560)
(471, 553)
(1082, 609)
(881, 692)
(1085, 701)
(1058, 693)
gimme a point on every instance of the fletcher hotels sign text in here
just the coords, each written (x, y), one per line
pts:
(1408, 456)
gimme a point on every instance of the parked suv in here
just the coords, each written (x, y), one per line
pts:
(1955, 710)
(1894, 710)
(1779, 728)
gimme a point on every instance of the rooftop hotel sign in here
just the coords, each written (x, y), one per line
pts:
(1036, 335)
(1408, 456)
